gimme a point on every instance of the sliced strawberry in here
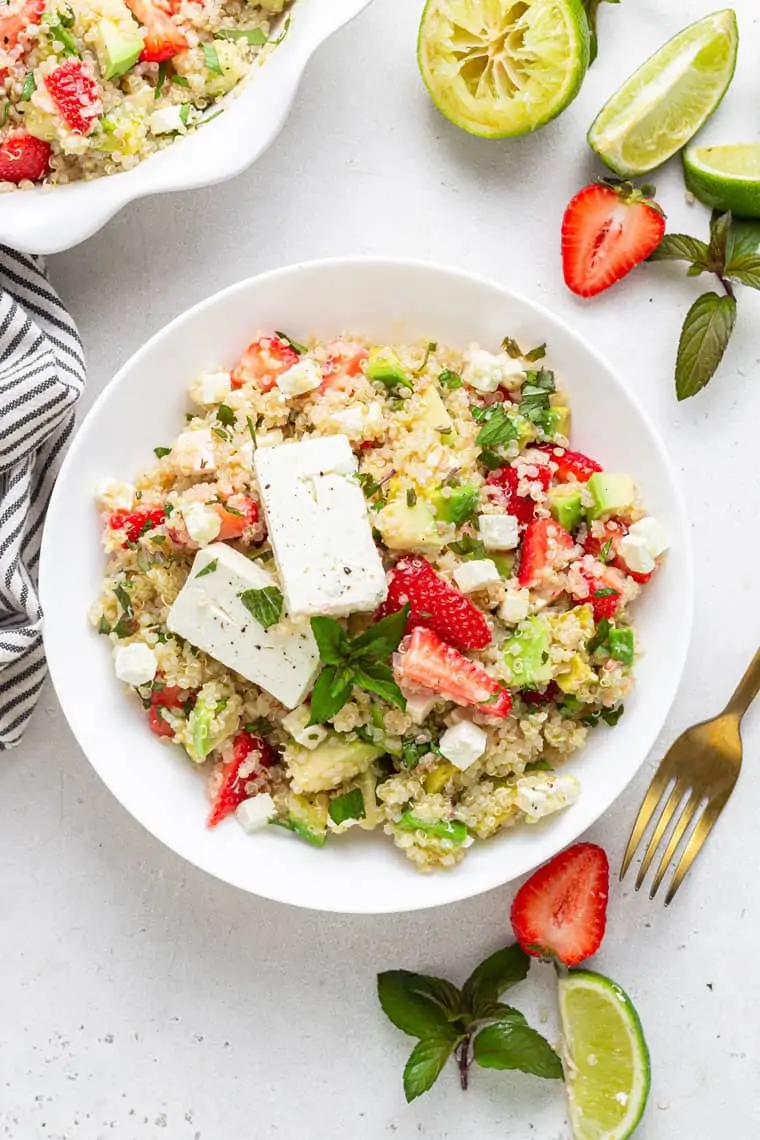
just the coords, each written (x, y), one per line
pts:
(344, 363)
(238, 515)
(436, 604)
(76, 94)
(263, 361)
(163, 38)
(14, 24)
(607, 550)
(507, 479)
(170, 697)
(605, 590)
(571, 465)
(427, 662)
(607, 231)
(228, 784)
(561, 912)
(23, 158)
(137, 523)
(545, 545)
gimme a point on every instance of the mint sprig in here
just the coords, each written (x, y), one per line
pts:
(591, 7)
(361, 662)
(470, 1024)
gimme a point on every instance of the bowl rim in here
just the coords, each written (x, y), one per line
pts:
(495, 879)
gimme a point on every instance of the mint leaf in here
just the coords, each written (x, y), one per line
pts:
(682, 247)
(381, 639)
(209, 568)
(225, 415)
(511, 1045)
(498, 1011)
(331, 640)
(704, 337)
(720, 227)
(251, 36)
(612, 716)
(377, 678)
(745, 270)
(265, 605)
(211, 56)
(498, 428)
(449, 380)
(743, 238)
(330, 693)
(417, 1004)
(298, 348)
(426, 1062)
(348, 806)
(496, 974)
(539, 352)
(160, 452)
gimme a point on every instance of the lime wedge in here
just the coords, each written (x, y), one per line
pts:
(499, 68)
(667, 100)
(726, 177)
(606, 1057)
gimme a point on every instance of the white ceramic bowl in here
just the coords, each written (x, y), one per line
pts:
(48, 220)
(144, 405)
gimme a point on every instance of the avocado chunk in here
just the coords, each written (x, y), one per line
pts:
(330, 764)
(384, 365)
(306, 817)
(574, 674)
(451, 829)
(612, 494)
(622, 645)
(405, 527)
(566, 506)
(556, 421)
(118, 46)
(526, 655)
(457, 506)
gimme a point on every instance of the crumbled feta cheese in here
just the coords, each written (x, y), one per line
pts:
(515, 606)
(135, 664)
(115, 495)
(420, 705)
(167, 120)
(543, 794)
(194, 452)
(475, 575)
(202, 522)
(297, 724)
(359, 420)
(463, 744)
(498, 532)
(653, 535)
(485, 371)
(634, 552)
(211, 388)
(301, 378)
(256, 812)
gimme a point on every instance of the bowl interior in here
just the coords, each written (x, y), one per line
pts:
(143, 407)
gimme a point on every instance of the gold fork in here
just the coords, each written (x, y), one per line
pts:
(700, 769)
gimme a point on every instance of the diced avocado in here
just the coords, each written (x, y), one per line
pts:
(40, 123)
(307, 817)
(117, 46)
(622, 645)
(452, 829)
(330, 764)
(566, 506)
(556, 421)
(432, 412)
(526, 655)
(234, 68)
(200, 723)
(504, 563)
(612, 494)
(574, 673)
(568, 622)
(437, 780)
(384, 365)
(457, 505)
(526, 430)
(405, 527)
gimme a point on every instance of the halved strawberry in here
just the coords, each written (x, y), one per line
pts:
(76, 94)
(561, 912)
(343, 363)
(228, 782)
(545, 545)
(263, 361)
(571, 465)
(608, 229)
(23, 158)
(163, 38)
(435, 603)
(507, 480)
(425, 661)
(607, 550)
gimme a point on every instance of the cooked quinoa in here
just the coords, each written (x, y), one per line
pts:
(92, 87)
(515, 561)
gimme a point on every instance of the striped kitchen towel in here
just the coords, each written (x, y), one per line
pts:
(41, 379)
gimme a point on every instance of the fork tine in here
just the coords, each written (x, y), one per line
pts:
(682, 824)
(700, 833)
(659, 783)
(661, 827)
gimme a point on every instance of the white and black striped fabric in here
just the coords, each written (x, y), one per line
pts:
(41, 379)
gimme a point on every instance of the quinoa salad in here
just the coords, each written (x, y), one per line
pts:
(372, 586)
(92, 87)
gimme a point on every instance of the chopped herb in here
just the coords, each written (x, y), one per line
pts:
(431, 348)
(265, 605)
(604, 553)
(160, 452)
(348, 806)
(600, 636)
(103, 626)
(28, 87)
(490, 460)
(468, 547)
(216, 114)
(511, 347)
(255, 36)
(125, 627)
(412, 752)
(124, 600)
(251, 430)
(299, 348)
(184, 114)
(534, 354)
(162, 69)
(233, 511)
(221, 433)
(411, 497)
(497, 428)
(606, 592)
(66, 16)
(180, 80)
(168, 508)
(284, 32)
(539, 765)
(6, 112)
(211, 56)
(209, 568)
(612, 716)
(225, 415)
(449, 380)
(258, 727)
(535, 393)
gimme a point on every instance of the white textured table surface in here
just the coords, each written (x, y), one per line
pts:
(140, 998)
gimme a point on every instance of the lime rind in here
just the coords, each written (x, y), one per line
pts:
(607, 1068)
(502, 70)
(669, 98)
(725, 177)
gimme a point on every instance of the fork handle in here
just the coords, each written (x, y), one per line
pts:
(747, 689)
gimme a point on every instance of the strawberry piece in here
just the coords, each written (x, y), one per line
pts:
(427, 662)
(610, 554)
(531, 697)
(343, 363)
(263, 361)
(435, 603)
(243, 516)
(23, 158)
(76, 94)
(561, 912)
(545, 545)
(507, 479)
(607, 231)
(137, 523)
(170, 697)
(163, 38)
(605, 591)
(249, 754)
(571, 465)
(13, 25)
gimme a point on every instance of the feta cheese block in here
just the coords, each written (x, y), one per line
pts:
(463, 744)
(256, 812)
(476, 575)
(210, 614)
(319, 527)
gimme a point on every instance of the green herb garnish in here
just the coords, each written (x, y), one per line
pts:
(160, 452)
(251, 430)
(449, 380)
(28, 87)
(211, 56)
(255, 36)
(209, 568)
(299, 348)
(162, 69)
(103, 626)
(411, 497)
(225, 415)
(497, 426)
(180, 80)
(221, 434)
(350, 805)
(265, 605)
(431, 348)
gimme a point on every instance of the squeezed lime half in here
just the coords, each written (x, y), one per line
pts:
(606, 1058)
(498, 68)
(663, 104)
(725, 177)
